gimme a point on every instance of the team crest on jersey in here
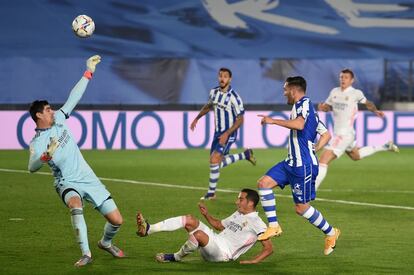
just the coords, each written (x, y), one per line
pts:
(296, 190)
(299, 110)
(346, 98)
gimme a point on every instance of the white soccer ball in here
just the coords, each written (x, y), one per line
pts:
(83, 26)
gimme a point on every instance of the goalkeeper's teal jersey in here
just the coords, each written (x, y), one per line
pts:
(67, 163)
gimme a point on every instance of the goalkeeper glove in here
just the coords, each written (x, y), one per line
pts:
(92, 62)
(51, 148)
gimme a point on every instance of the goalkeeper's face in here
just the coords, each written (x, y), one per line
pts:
(47, 116)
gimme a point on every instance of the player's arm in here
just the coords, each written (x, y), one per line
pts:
(324, 107)
(36, 159)
(327, 105)
(293, 124)
(322, 141)
(267, 250)
(206, 108)
(215, 223)
(80, 87)
(35, 162)
(371, 107)
(225, 136)
(324, 138)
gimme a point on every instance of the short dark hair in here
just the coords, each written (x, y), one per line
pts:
(225, 70)
(348, 71)
(252, 195)
(37, 106)
(297, 81)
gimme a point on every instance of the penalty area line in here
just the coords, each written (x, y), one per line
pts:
(157, 184)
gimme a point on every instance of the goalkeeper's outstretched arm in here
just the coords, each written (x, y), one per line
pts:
(80, 87)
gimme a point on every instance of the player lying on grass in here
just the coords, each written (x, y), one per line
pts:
(74, 179)
(238, 232)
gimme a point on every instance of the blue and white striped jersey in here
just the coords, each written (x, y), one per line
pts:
(301, 142)
(227, 106)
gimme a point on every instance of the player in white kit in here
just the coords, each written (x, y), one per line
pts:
(238, 233)
(343, 102)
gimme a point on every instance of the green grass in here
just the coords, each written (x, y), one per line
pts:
(374, 240)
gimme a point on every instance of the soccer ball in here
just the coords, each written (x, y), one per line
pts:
(83, 26)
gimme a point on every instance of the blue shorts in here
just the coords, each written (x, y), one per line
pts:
(222, 149)
(94, 192)
(301, 180)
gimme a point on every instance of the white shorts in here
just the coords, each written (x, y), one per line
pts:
(342, 143)
(216, 249)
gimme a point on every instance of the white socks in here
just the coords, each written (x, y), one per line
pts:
(171, 224)
(323, 170)
(369, 150)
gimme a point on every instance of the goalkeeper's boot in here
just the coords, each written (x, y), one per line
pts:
(271, 231)
(250, 156)
(84, 260)
(330, 242)
(392, 147)
(143, 226)
(165, 258)
(208, 196)
(112, 249)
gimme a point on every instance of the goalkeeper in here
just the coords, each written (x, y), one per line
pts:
(75, 181)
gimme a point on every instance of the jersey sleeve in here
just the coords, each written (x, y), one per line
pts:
(34, 160)
(237, 104)
(211, 97)
(360, 97)
(60, 116)
(329, 99)
(303, 109)
(74, 96)
(321, 128)
(258, 226)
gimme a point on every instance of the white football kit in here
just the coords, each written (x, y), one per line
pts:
(239, 235)
(345, 110)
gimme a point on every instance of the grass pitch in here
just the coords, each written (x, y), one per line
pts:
(37, 238)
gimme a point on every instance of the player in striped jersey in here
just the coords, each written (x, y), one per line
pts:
(343, 102)
(299, 169)
(228, 117)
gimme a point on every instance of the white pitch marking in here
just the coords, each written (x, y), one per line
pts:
(221, 190)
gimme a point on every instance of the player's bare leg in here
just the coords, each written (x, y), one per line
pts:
(268, 200)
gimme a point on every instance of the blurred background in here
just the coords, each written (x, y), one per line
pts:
(161, 58)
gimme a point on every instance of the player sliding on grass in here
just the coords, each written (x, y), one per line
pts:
(300, 168)
(238, 233)
(343, 102)
(228, 117)
(74, 179)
